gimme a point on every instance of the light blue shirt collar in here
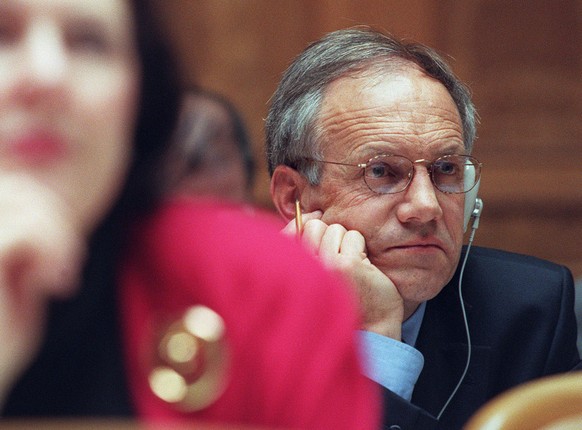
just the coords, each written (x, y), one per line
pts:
(411, 327)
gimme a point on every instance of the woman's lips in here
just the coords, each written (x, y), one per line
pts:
(39, 148)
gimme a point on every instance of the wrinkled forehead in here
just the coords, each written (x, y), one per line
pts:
(403, 107)
(375, 92)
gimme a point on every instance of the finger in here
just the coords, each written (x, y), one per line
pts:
(41, 246)
(291, 228)
(331, 241)
(308, 216)
(59, 270)
(353, 244)
(313, 231)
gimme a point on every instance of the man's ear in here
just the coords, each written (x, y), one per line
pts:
(287, 185)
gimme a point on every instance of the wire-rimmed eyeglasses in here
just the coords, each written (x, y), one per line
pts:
(390, 174)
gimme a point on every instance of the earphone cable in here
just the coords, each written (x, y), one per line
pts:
(473, 230)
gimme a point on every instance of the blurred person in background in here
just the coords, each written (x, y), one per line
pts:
(211, 154)
(114, 304)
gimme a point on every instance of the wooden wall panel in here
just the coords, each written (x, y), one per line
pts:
(524, 65)
(521, 59)
(241, 47)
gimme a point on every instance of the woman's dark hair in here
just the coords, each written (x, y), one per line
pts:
(158, 106)
(157, 113)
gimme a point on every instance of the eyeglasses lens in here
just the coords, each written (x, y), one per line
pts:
(389, 174)
(392, 174)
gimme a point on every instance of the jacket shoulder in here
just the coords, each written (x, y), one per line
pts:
(508, 277)
(482, 257)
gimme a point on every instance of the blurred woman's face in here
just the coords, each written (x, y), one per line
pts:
(69, 83)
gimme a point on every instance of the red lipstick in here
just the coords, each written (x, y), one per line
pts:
(39, 148)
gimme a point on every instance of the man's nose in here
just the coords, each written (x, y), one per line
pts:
(420, 200)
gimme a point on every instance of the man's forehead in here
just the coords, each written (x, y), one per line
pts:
(401, 93)
(368, 80)
(374, 114)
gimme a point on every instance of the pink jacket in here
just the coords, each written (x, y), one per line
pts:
(291, 360)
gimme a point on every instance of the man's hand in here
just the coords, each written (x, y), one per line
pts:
(41, 253)
(345, 250)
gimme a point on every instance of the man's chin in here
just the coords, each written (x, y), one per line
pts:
(418, 285)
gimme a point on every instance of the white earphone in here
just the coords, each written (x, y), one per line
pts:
(473, 204)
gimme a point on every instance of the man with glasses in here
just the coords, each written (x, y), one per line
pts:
(369, 145)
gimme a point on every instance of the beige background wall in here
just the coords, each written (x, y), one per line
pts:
(522, 59)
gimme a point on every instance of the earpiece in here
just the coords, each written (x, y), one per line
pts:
(477, 213)
(471, 205)
(472, 202)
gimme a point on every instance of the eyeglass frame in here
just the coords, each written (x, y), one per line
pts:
(427, 163)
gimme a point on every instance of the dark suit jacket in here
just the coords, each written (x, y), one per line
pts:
(520, 312)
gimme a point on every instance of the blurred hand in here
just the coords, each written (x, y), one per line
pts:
(41, 253)
(345, 251)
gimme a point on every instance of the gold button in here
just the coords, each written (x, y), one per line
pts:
(191, 369)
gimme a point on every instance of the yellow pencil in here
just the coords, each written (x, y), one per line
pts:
(298, 219)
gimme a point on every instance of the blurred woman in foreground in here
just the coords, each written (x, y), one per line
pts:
(115, 304)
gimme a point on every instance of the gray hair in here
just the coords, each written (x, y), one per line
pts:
(291, 128)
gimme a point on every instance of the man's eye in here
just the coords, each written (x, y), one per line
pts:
(446, 168)
(381, 170)
(377, 171)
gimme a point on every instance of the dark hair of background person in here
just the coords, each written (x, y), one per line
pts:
(186, 155)
(291, 127)
(240, 133)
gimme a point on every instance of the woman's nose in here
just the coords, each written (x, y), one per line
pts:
(45, 56)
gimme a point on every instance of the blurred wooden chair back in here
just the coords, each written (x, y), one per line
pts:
(550, 403)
